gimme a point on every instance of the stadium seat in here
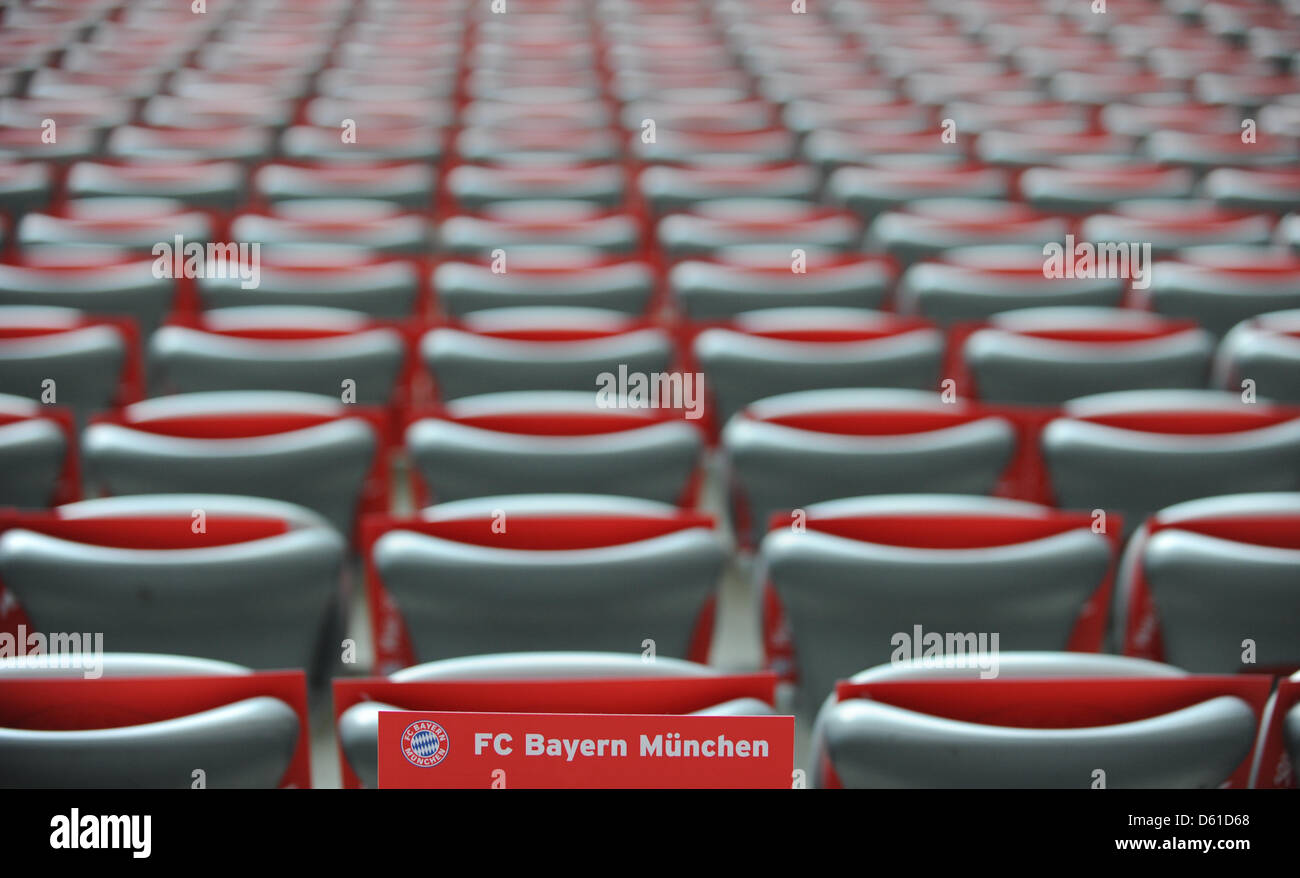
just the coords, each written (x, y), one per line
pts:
(1209, 585)
(1265, 350)
(150, 721)
(1141, 450)
(239, 579)
(554, 441)
(1061, 720)
(299, 447)
(858, 576)
(528, 572)
(790, 450)
(517, 349)
(785, 350)
(37, 455)
(299, 348)
(1045, 356)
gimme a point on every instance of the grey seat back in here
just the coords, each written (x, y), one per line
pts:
(196, 360)
(464, 287)
(459, 461)
(1009, 365)
(32, 453)
(1096, 466)
(130, 290)
(712, 290)
(1212, 592)
(467, 363)
(779, 467)
(847, 599)
(741, 368)
(459, 598)
(260, 603)
(873, 744)
(185, 601)
(1265, 350)
(85, 362)
(322, 467)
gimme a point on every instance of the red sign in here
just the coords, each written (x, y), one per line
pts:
(577, 751)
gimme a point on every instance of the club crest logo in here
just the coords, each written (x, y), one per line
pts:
(424, 743)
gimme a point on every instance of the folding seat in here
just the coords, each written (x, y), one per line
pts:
(1245, 90)
(1209, 585)
(1086, 188)
(530, 572)
(790, 450)
(1204, 152)
(240, 579)
(830, 149)
(550, 348)
(1045, 356)
(132, 84)
(975, 283)
(216, 185)
(141, 143)
(963, 81)
(236, 105)
(806, 115)
(508, 225)
(768, 144)
(1220, 286)
(929, 228)
(303, 448)
(320, 143)
(24, 186)
(554, 277)
(1100, 89)
(1141, 450)
(149, 721)
(134, 224)
(407, 185)
(1051, 720)
(667, 189)
(374, 115)
(748, 114)
(269, 347)
(283, 83)
(1265, 350)
(500, 115)
(476, 186)
(1147, 119)
(520, 145)
(552, 682)
(712, 225)
(99, 283)
(1279, 748)
(556, 441)
(1018, 149)
(20, 145)
(37, 454)
(374, 225)
(784, 350)
(89, 118)
(361, 83)
(869, 191)
(66, 357)
(322, 275)
(857, 578)
(1269, 191)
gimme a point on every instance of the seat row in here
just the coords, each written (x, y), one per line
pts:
(1053, 720)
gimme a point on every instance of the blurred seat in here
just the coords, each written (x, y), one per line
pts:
(178, 573)
(1265, 350)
